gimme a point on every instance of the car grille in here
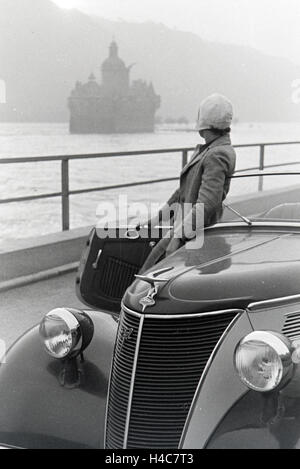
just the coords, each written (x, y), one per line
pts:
(156, 369)
(114, 278)
(291, 328)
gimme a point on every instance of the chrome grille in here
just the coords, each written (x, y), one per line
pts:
(114, 277)
(170, 358)
(291, 328)
(120, 381)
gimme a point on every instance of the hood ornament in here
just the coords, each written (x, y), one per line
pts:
(149, 300)
(154, 280)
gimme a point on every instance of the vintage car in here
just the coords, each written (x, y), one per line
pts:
(205, 352)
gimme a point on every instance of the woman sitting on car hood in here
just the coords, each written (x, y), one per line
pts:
(204, 181)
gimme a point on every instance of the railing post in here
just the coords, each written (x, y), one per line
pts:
(184, 158)
(65, 194)
(261, 166)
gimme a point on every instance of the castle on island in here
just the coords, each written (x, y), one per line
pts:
(115, 105)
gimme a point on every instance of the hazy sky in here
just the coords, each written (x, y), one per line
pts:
(272, 26)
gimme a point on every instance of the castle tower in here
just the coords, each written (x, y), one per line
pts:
(115, 105)
(115, 74)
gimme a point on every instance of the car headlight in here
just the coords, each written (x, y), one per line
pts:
(66, 332)
(263, 360)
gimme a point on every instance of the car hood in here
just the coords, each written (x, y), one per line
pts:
(234, 267)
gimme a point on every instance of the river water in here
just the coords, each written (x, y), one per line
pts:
(28, 219)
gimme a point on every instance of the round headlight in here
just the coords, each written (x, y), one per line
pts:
(263, 360)
(66, 332)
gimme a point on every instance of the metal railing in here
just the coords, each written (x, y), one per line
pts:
(65, 192)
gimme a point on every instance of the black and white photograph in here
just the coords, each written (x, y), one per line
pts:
(149, 227)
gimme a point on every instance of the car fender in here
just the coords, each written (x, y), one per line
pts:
(267, 420)
(225, 413)
(39, 408)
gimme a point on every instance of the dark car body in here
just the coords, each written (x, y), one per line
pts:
(163, 376)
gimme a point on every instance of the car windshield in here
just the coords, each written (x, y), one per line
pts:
(258, 196)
